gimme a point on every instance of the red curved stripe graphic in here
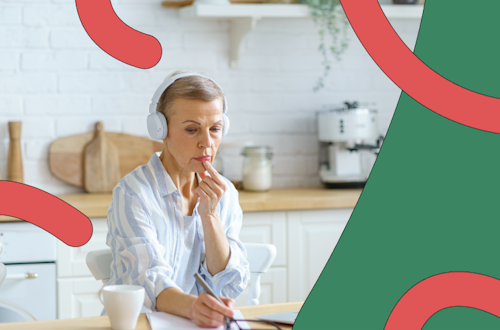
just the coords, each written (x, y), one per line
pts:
(413, 76)
(442, 291)
(46, 211)
(115, 37)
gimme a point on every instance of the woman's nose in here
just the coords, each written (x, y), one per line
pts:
(205, 139)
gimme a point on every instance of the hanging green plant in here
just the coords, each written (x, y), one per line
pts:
(330, 19)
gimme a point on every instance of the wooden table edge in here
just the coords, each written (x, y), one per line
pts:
(102, 322)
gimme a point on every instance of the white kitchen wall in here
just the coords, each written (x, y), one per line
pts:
(56, 81)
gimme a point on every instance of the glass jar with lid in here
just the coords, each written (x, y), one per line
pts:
(257, 168)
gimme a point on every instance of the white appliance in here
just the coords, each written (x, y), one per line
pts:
(28, 292)
(349, 143)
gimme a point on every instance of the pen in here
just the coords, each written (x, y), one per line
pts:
(209, 290)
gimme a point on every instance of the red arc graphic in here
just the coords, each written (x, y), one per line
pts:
(413, 76)
(46, 211)
(441, 291)
(115, 37)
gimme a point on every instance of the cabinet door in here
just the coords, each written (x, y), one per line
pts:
(273, 288)
(266, 227)
(77, 297)
(71, 260)
(313, 235)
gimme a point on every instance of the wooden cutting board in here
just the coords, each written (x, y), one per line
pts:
(66, 156)
(101, 164)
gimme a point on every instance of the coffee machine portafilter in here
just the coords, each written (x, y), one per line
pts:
(349, 144)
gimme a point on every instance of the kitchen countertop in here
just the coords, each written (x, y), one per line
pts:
(96, 205)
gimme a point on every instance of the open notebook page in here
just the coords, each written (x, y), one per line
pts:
(165, 321)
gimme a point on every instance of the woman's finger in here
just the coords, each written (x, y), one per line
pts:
(207, 190)
(214, 304)
(214, 186)
(201, 193)
(213, 172)
(209, 315)
(205, 321)
(228, 301)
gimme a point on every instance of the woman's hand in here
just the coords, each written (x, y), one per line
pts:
(210, 190)
(207, 312)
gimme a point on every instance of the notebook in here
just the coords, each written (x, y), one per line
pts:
(166, 321)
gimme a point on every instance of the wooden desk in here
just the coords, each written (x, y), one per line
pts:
(102, 322)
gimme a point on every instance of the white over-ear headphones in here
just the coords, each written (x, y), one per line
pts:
(157, 123)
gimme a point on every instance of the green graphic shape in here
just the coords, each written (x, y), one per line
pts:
(432, 202)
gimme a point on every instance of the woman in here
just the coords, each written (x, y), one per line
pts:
(169, 220)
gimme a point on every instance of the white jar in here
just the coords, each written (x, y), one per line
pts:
(257, 168)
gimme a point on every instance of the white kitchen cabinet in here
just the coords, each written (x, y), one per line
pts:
(71, 260)
(304, 241)
(76, 287)
(266, 227)
(312, 236)
(273, 286)
(77, 297)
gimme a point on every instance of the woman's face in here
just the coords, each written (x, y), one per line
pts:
(194, 132)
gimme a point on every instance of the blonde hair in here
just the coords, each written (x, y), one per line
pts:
(190, 87)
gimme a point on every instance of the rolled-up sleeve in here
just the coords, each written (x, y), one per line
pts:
(138, 257)
(231, 281)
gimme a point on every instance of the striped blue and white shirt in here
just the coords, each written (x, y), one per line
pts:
(154, 245)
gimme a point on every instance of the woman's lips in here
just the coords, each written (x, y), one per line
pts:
(204, 158)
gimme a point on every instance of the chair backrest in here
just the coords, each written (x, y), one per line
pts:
(260, 257)
(99, 263)
(3, 272)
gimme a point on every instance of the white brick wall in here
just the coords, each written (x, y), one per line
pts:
(55, 61)
(10, 15)
(58, 82)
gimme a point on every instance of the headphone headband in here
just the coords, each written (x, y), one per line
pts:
(156, 96)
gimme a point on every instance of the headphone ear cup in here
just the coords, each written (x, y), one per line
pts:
(157, 126)
(225, 124)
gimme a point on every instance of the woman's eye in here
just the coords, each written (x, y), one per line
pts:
(190, 130)
(217, 128)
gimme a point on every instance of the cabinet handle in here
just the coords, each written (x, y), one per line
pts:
(27, 276)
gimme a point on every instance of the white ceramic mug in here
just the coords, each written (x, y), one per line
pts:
(123, 304)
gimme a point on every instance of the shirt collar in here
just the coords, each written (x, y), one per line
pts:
(161, 176)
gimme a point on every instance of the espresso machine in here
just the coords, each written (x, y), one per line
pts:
(349, 144)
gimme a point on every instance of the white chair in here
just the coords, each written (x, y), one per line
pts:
(260, 257)
(99, 263)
